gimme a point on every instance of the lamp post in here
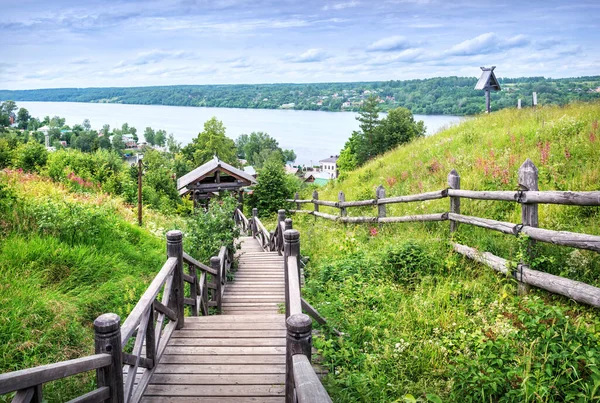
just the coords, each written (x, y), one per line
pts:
(140, 173)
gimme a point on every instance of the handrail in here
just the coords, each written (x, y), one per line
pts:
(190, 260)
(309, 388)
(30, 377)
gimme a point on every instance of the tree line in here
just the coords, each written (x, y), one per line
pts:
(440, 95)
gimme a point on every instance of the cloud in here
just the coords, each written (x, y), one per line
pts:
(489, 42)
(341, 6)
(406, 56)
(311, 55)
(155, 56)
(390, 44)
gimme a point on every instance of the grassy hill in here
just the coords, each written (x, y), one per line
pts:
(66, 258)
(421, 322)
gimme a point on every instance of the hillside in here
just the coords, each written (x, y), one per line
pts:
(422, 322)
(65, 258)
(432, 96)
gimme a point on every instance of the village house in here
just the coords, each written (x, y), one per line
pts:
(329, 166)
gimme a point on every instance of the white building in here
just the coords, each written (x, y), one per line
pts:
(329, 166)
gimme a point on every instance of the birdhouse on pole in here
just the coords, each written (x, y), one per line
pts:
(488, 82)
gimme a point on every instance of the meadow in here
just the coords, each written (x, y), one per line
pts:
(420, 322)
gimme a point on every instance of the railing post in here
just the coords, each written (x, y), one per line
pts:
(254, 227)
(528, 180)
(215, 263)
(279, 239)
(380, 194)
(288, 224)
(315, 196)
(175, 249)
(342, 199)
(298, 341)
(291, 247)
(107, 339)
(194, 289)
(241, 200)
(454, 183)
(297, 197)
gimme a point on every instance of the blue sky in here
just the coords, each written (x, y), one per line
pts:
(65, 43)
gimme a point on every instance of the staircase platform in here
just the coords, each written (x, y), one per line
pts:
(238, 356)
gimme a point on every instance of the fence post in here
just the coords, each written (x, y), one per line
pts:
(297, 197)
(315, 196)
(194, 289)
(519, 103)
(528, 180)
(107, 340)
(175, 249)
(254, 215)
(298, 341)
(380, 194)
(454, 183)
(342, 199)
(291, 247)
(288, 224)
(215, 263)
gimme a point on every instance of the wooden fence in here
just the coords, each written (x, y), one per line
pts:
(528, 196)
(302, 383)
(127, 354)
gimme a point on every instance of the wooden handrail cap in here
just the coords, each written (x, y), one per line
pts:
(299, 323)
(107, 323)
(291, 235)
(174, 236)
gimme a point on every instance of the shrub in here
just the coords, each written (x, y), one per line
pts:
(31, 156)
(408, 262)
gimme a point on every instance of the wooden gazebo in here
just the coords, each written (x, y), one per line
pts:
(211, 178)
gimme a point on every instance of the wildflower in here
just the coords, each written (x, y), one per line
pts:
(373, 231)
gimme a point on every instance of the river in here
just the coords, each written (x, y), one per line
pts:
(312, 135)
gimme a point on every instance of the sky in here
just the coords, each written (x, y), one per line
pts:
(90, 43)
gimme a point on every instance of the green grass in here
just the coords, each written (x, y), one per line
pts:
(420, 321)
(66, 258)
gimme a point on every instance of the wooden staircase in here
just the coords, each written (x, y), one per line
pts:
(238, 356)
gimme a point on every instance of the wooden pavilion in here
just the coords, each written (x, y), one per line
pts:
(210, 179)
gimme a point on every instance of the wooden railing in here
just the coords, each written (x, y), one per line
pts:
(301, 383)
(528, 197)
(127, 354)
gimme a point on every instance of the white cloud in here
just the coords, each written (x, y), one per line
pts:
(406, 56)
(489, 42)
(390, 44)
(311, 55)
(341, 6)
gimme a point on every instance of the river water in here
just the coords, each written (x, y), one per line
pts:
(312, 135)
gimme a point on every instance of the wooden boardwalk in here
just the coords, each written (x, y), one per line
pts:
(238, 356)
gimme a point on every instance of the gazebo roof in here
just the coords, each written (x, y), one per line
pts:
(208, 168)
(488, 80)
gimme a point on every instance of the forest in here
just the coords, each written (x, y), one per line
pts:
(432, 96)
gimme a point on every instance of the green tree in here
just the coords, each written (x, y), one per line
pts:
(289, 155)
(117, 142)
(160, 138)
(106, 129)
(173, 145)
(23, 118)
(397, 128)
(149, 135)
(87, 125)
(210, 142)
(272, 189)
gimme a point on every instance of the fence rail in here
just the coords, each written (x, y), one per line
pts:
(529, 197)
(127, 354)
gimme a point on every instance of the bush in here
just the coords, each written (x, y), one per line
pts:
(31, 156)
(545, 358)
(272, 189)
(211, 229)
(408, 262)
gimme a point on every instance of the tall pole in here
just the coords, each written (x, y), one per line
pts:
(139, 191)
(488, 106)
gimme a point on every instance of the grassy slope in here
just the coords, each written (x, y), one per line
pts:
(66, 258)
(411, 308)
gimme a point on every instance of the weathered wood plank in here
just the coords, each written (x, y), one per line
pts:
(414, 218)
(564, 238)
(215, 390)
(501, 226)
(358, 203)
(565, 198)
(326, 216)
(27, 378)
(498, 195)
(218, 379)
(414, 198)
(239, 350)
(308, 386)
(226, 334)
(575, 290)
(221, 399)
(224, 359)
(95, 396)
(220, 369)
